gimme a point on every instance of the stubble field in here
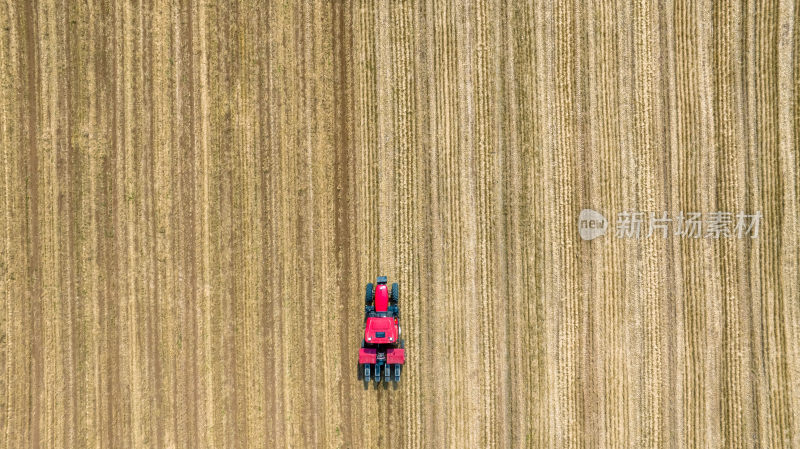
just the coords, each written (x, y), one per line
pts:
(193, 195)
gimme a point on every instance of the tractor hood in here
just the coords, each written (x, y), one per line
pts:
(380, 330)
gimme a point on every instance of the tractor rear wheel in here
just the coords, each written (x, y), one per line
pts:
(395, 293)
(370, 296)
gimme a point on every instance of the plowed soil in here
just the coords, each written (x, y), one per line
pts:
(193, 195)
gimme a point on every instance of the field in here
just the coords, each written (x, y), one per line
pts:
(193, 195)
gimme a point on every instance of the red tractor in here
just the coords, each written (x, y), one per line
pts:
(382, 350)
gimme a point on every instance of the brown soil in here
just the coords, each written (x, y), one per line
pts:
(193, 195)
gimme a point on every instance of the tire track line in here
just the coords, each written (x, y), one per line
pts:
(676, 413)
(545, 102)
(93, 252)
(52, 398)
(320, 55)
(728, 136)
(431, 271)
(111, 321)
(405, 173)
(17, 146)
(171, 211)
(368, 188)
(771, 198)
(289, 171)
(29, 74)
(646, 139)
(284, 290)
(687, 112)
(753, 169)
(532, 426)
(252, 410)
(709, 328)
(604, 70)
(66, 169)
(204, 380)
(508, 248)
(633, 332)
(124, 194)
(506, 198)
(426, 276)
(446, 125)
(467, 209)
(570, 341)
(450, 175)
(177, 207)
(10, 287)
(632, 312)
(54, 408)
(145, 232)
(786, 54)
(189, 179)
(143, 279)
(485, 226)
(389, 204)
(160, 209)
(267, 161)
(220, 222)
(344, 214)
(226, 141)
(519, 226)
(132, 200)
(241, 233)
(793, 119)
(308, 47)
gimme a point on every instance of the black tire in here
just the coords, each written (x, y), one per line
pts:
(370, 296)
(360, 371)
(395, 293)
(402, 344)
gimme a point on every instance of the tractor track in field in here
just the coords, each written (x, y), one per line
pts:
(192, 197)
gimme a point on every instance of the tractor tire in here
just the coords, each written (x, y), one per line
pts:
(370, 296)
(395, 293)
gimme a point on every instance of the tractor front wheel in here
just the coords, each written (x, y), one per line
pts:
(370, 296)
(395, 293)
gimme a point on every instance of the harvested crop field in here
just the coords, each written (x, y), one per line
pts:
(193, 195)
